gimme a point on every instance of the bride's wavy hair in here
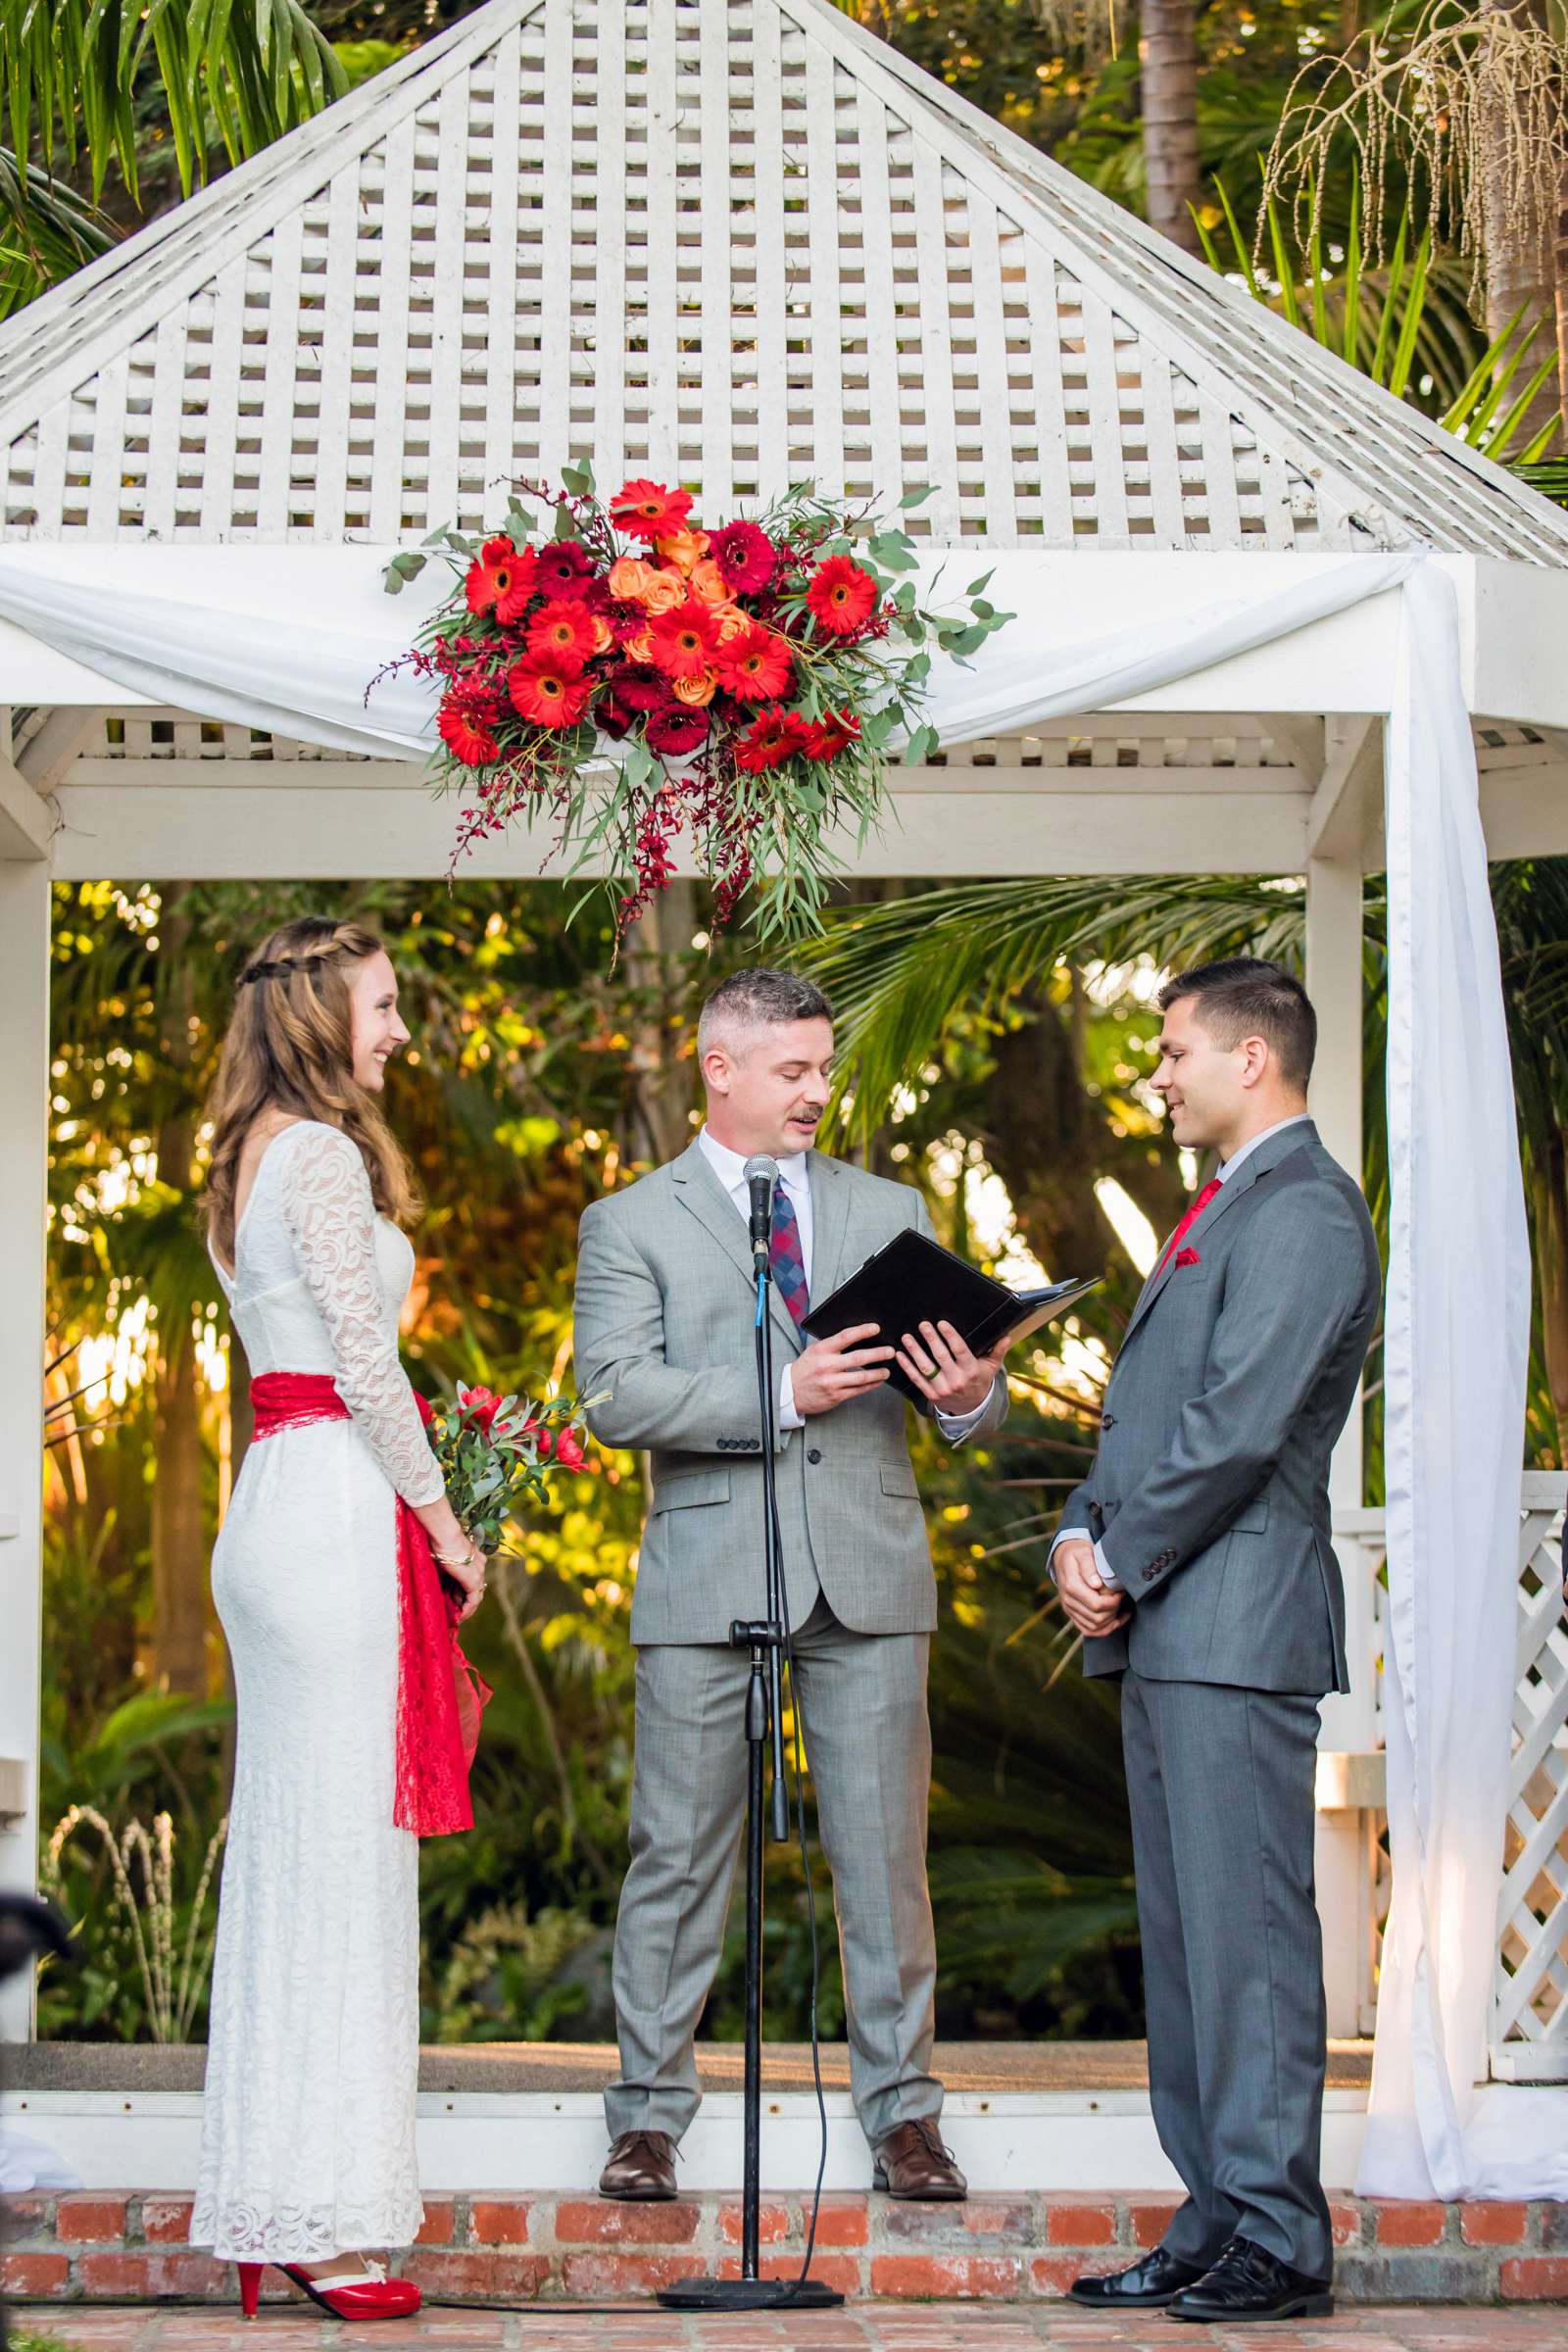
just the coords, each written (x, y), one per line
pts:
(290, 1047)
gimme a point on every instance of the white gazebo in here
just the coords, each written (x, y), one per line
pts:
(739, 243)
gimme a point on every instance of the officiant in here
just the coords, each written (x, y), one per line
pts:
(664, 1324)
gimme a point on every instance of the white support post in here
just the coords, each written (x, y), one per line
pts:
(1345, 1881)
(24, 1142)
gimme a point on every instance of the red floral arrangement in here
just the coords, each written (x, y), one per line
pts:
(494, 1451)
(754, 679)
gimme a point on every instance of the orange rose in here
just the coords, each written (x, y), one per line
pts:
(629, 575)
(639, 648)
(604, 637)
(732, 622)
(663, 592)
(710, 583)
(698, 692)
(685, 548)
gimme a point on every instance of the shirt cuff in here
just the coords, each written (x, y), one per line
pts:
(788, 1417)
(956, 1427)
(1102, 1568)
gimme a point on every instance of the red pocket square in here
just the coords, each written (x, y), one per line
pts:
(1188, 1257)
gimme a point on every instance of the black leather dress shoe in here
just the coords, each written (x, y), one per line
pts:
(1149, 2285)
(1249, 2282)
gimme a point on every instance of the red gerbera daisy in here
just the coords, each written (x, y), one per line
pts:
(745, 554)
(841, 595)
(465, 728)
(826, 737)
(773, 737)
(564, 628)
(676, 729)
(546, 693)
(684, 639)
(564, 568)
(648, 510)
(755, 665)
(501, 581)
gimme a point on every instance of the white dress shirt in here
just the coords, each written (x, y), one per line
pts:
(1224, 1175)
(730, 1169)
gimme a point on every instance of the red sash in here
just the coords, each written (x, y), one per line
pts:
(440, 1696)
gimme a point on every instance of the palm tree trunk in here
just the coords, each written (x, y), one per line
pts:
(658, 948)
(1525, 250)
(1168, 51)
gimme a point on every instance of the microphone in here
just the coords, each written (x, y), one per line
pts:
(761, 1174)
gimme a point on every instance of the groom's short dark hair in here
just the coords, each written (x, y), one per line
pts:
(1244, 996)
(760, 998)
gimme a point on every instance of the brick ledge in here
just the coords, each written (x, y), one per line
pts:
(107, 2246)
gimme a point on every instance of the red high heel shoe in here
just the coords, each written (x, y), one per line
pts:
(355, 2295)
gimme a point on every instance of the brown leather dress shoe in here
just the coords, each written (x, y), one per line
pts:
(911, 2162)
(641, 2167)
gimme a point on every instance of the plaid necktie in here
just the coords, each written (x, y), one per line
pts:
(786, 1256)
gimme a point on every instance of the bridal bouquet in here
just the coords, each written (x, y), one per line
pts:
(755, 677)
(494, 1451)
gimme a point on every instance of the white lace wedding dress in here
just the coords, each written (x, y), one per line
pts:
(308, 2135)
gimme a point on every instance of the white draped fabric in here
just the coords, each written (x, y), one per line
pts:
(1457, 1318)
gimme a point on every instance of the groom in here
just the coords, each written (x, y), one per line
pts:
(664, 1323)
(1196, 1560)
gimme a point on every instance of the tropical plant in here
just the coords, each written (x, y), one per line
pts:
(73, 73)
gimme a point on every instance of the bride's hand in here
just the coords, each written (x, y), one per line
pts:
(467, 1570)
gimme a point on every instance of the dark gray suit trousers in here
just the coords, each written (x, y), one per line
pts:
(1220, 1782)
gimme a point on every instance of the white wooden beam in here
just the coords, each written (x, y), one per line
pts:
(27, 821)
(24, 1160)
(1350, 791)
(46, 760)
(306, 832)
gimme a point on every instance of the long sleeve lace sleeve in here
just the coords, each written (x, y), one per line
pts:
(330, 1218)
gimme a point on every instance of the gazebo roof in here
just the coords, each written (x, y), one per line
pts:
(733, 242)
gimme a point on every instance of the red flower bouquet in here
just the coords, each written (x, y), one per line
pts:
(495, 1452)
(639, 678)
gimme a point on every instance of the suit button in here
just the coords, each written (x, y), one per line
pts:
(1107, 1420)
(816, 1454)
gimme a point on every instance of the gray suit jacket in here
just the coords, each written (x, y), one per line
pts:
(665, 1322)
(1209, 1489)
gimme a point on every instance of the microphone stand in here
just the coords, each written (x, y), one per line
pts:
(765, 1721)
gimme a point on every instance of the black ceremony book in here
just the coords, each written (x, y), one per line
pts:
(911, 1280)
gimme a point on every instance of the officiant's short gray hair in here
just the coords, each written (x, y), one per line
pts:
(758, 999)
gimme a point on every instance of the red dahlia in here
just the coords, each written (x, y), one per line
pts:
(755, 665)
(676, 729)
(501, 581)
(565, 629)
(648, 510)
(745, 554)
(773, 737)
(640, 689)
(546, 693)
(465, 728)
(841, 595)
(684, 640)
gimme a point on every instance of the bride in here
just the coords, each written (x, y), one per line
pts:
(307, 2150)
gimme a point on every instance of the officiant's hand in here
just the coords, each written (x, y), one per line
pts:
(831, 1371)
(943, 1367)
(1093, 1606)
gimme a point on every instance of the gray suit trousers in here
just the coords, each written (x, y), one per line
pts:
(1220, 1781)
(861, 1702)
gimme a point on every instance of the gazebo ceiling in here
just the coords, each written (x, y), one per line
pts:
(733, 242)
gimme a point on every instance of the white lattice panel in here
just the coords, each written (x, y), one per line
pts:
(733, 242)
(1530, 2012)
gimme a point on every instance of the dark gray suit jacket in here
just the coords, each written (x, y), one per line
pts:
(664, 1323)
(1209, 1489)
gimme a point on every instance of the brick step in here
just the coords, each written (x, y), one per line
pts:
(117, 2246)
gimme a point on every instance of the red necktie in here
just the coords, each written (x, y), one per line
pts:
(1189, 1222)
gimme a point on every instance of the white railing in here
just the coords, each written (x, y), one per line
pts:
(1528, 2036)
